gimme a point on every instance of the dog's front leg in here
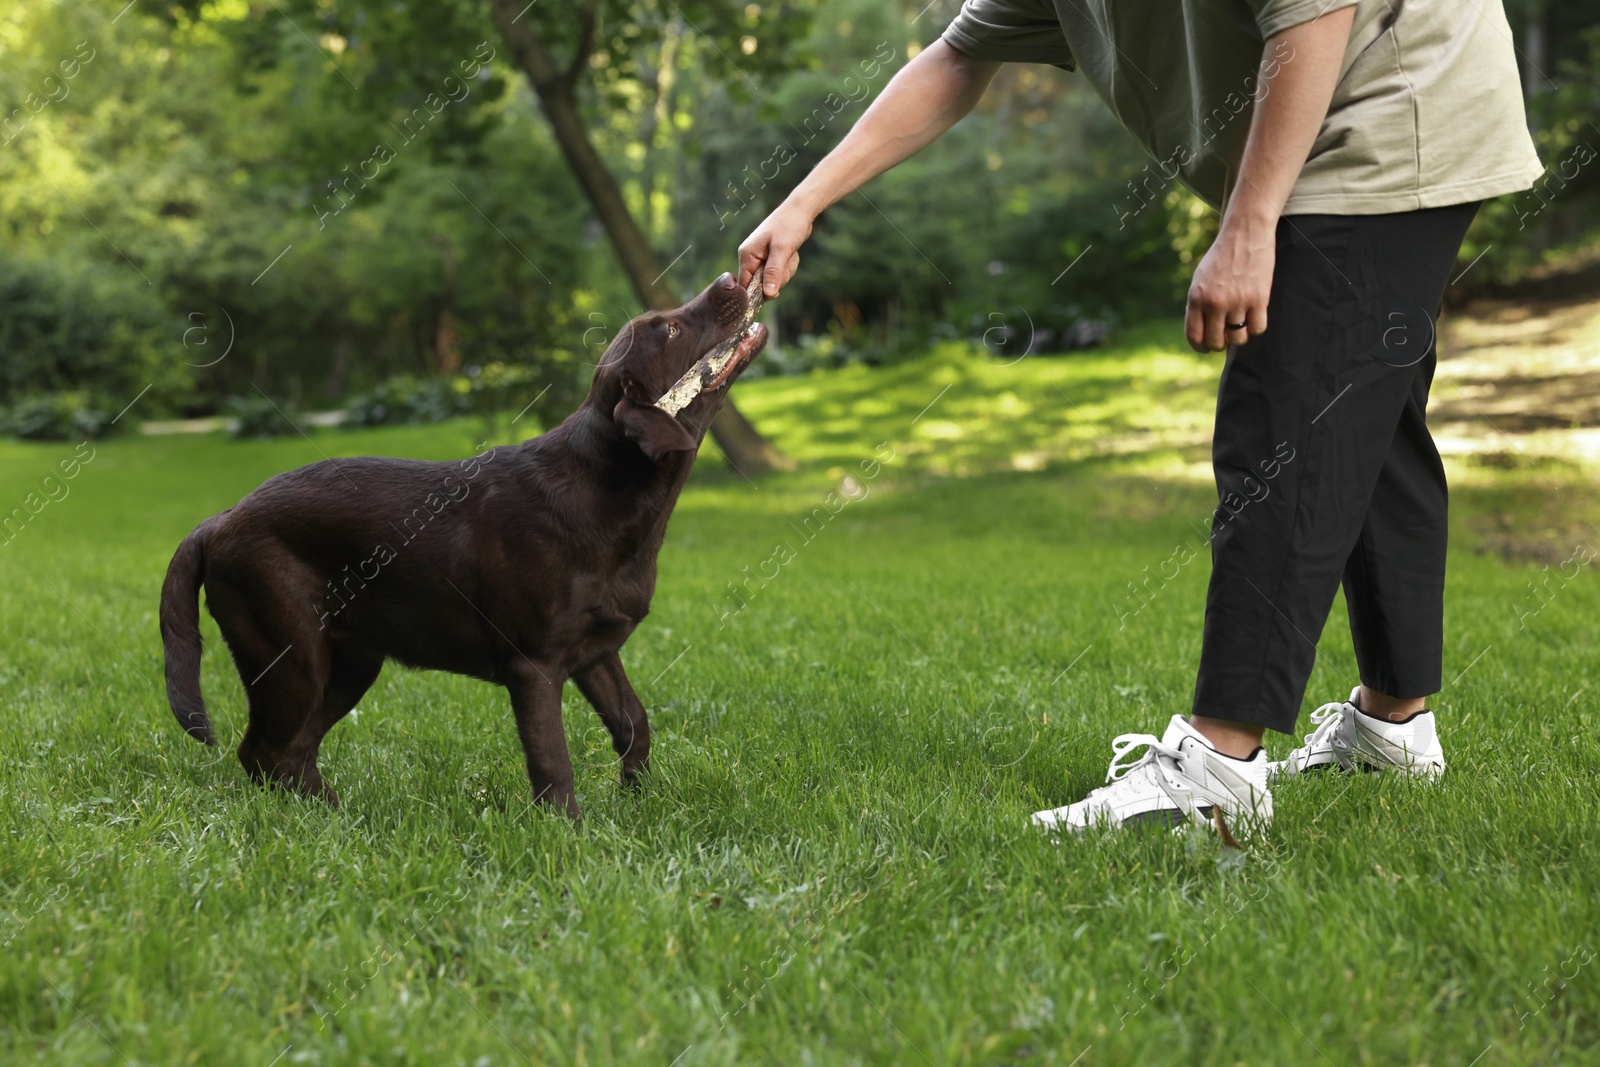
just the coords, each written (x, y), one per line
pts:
(536, 702)
(606, 686)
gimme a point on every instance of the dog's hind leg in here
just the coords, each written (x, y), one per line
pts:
(606, 686)
(536, 702)
(350, 675)
(282, 694)
(283, 661)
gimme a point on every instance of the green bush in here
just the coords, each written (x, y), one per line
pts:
(497, 389)
(58, 417)
(258, 416)
(82, 334)
(406, 400)
(489, 391)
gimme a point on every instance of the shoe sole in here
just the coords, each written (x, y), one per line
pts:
(1174, 820)
(1415, 770)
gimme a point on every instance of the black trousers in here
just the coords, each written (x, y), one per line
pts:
(1326, 471)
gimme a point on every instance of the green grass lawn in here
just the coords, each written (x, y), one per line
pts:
(831, 862)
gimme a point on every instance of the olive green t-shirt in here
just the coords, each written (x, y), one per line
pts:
(1427, 112)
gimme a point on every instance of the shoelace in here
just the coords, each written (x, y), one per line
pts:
(1162, 757)
(1326, 719)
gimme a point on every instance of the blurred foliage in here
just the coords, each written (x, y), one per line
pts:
(60, 416)
(63, 331)
(261, 416)
(1516, 233)
(490, 392)
(406, 400)
(183, 161)
(322, 199)
(1549, 34)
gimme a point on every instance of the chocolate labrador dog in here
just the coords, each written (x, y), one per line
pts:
(524, 566)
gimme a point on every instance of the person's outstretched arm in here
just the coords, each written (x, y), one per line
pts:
(927, 97)
(1228, 298)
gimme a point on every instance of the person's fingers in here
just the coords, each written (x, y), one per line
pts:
(752, 254)
(1194, 327)
(1203, 324)
(1216, 329)
(1256, 321)
(1235, 327)
(781, 264)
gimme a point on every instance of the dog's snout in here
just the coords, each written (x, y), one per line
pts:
(728, 299)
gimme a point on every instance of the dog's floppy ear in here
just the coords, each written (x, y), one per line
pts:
(653, 430)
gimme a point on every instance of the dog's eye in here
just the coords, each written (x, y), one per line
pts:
(672, 330)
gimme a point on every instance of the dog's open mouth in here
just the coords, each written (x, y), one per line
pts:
(727, 358)
(754, 339)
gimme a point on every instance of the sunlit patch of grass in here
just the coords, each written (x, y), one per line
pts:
(1520, 380)
(960, 411)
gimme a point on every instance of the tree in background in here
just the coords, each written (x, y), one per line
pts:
(592, 57)
(613, 47)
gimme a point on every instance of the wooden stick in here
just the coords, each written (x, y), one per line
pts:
(714, 362)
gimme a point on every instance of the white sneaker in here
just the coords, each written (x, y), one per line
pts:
(1180, 779)
(1348, 739)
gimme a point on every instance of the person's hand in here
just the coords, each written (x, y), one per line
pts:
(1228, 297)
(774, 248)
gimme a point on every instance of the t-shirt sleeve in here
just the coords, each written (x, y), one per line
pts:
(1010, 31)
(1275, 16)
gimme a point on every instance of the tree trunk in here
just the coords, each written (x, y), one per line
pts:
(741, 442)
(446, 338)
(1533, 79)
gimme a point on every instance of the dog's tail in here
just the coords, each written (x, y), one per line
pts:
(180, 634)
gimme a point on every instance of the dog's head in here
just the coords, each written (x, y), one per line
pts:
(653, 351)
